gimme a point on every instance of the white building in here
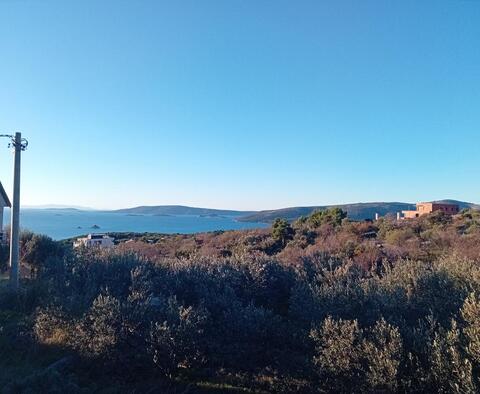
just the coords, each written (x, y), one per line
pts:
(101, 241)
(4, 202)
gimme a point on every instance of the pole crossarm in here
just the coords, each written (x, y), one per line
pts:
(13, 142)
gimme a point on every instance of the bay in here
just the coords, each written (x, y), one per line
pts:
(66, 223)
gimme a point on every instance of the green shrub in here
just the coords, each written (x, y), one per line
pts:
(333, 216)
(177, 341)
(282, 232)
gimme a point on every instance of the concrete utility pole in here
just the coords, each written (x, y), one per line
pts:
(19, 144)
(15, 227)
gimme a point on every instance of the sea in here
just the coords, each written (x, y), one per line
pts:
(67, 223)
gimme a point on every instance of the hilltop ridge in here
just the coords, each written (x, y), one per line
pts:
(355, 211)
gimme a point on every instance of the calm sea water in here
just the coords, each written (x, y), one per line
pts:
(61, 224)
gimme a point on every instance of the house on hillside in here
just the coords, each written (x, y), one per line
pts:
(424, 208)
(102, 241)
(4, 202)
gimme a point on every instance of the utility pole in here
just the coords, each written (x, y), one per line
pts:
(15, 226)
(19, 144)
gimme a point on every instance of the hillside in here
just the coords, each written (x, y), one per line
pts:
(323, 306)
(357, 211)
(180, 210)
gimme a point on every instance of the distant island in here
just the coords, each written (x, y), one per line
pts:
(161, 210)
(59, 207)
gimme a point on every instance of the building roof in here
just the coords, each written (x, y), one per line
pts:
(4, 195)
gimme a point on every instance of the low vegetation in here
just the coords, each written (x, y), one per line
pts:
(319, 305)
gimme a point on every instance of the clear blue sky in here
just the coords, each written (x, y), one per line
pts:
(241, 104)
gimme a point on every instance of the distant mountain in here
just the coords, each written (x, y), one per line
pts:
(180, 210)
(358, 211)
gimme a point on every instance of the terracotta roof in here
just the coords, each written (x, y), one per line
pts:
(4, 195)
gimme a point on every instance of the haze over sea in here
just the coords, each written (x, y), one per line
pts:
(67, 223)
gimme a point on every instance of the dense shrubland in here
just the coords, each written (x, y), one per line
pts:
(319, 305)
